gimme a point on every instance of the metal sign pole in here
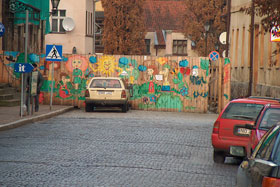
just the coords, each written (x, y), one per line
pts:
(21, 97)
(52, 86)
(23, 77)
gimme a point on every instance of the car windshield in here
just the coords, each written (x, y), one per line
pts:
(242, 111)
(105, 83)
(270, 118)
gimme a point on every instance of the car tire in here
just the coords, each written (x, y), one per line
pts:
(219, 157)
(124, 108)
(89, 108)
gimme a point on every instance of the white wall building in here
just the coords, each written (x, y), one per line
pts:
(80, 39)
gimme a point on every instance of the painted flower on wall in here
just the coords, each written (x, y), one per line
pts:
(142, 68)
(184, 91)
(162, 60)
(145, 100)
(92, 59)
(153, 98)
(184, 63)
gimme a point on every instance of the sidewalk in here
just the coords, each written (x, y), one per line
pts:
(10, 116)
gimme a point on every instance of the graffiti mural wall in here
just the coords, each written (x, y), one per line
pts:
(157, 83)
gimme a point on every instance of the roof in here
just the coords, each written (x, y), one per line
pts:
(256, 100)
(164, 15)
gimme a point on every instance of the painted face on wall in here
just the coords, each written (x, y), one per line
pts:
(195, 71)
(150, 72)
(107, 65)
(76, 64)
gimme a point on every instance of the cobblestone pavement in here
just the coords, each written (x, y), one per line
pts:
(109, 148)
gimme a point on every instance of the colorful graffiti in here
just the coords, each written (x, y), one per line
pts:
(161, 83)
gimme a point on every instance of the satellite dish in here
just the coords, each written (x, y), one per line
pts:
(68, 24)
(223, 38)
(224, 54)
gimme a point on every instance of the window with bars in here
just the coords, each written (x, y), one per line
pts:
(148, 44)
(180, 47)
(57, 19)
(89, 23)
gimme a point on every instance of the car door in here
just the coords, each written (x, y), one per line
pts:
(260, 164)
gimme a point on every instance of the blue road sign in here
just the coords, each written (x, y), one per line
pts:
(214, 55)
(23, 67)
(2, 29)
(54, 53)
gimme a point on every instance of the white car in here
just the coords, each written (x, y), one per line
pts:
(106, 91)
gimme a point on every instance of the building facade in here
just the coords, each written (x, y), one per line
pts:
(13, 16)
(75, 34)
(165, 29)
(255, 67)
(163, 20)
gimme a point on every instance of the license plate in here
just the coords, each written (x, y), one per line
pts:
(103, 92)
(243, 131)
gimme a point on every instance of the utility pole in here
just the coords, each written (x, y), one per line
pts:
(228, 26)
(252, 26)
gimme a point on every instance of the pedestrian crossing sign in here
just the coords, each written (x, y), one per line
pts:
(54, 53)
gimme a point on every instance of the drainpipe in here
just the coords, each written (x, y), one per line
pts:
(228, 26)
(250, 86)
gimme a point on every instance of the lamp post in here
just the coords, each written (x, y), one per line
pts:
(93, 45)
(217, 46)
(55, 4)
(206, 28)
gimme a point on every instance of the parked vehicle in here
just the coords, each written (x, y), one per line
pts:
(106, 91)
(229, 132)
(269, 116)
(263, 167)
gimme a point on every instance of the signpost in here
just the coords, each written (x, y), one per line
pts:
(214, 55)
(2, 29)
(275, 34)
(23, 67)
(53, 53)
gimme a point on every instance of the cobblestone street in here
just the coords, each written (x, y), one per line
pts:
(109, 148)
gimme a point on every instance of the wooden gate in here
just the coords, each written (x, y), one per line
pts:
(219, 85)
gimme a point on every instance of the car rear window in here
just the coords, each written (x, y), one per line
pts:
(105, 83)
(270, 118)
(242, 111)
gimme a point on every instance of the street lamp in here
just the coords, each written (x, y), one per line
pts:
(206, 28)
(55, 4)
(93, 47)
(217, 46)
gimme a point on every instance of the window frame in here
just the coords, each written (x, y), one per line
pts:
(89, 24)
(147, 46)
(59, 20)
(184, 45)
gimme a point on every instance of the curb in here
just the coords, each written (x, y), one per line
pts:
(22, 122)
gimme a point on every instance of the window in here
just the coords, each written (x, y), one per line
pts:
(242, 111)
(57, 19)
(180, 47)
(89, 23)
(105, 83)
(270, 118)
(266, 147)
(147, 43)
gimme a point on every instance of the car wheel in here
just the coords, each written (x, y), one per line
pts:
(242, 180)
(127, 107)
(219, 157)
(124, 108)
(89, 108)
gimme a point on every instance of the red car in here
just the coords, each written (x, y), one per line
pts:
(229, 133)
(269, 116)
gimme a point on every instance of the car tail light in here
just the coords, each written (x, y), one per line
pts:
(87, 93)
(123, 94)
(270, 182)
(216, 127)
